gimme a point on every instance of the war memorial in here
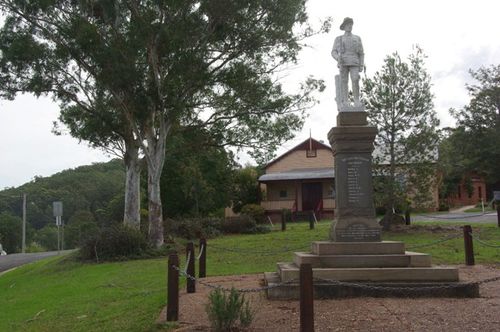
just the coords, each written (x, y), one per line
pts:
(355, 261)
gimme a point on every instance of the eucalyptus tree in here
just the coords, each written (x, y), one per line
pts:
(399, 102)
(155, 65)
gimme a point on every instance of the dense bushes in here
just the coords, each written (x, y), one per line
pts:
(114, 243)
(255, 211)
(194, 228)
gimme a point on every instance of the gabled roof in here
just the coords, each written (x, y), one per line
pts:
(316, 145)
(300, 174)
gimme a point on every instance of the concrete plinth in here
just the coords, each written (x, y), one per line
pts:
(351, 264)
(373, 289)
(352, 148)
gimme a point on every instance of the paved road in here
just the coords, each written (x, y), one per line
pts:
(490, 217)
(14, 260)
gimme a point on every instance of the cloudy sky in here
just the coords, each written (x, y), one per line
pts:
(455, 35)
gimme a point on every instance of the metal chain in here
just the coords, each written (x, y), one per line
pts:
(485, 281)
(484, 243)
(187, 262)
(434, 243)
(405, 289)
(409, 289)
(239, 290)
(258, 252)
(201, 252)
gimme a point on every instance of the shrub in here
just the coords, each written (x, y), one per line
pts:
(194, 228)
(114, 243)
(35, 247)
(225, 310)
(255, 211)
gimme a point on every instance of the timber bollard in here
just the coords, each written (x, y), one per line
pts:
(469, 250)
(284, 216)
(306, 298)
(311, 220)
(407, 217)
(203, 258)
(190, 284)
(173, 288)
(498, 214)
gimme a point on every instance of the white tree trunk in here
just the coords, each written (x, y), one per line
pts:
(155, 157)
(132, 213)
(155, 208)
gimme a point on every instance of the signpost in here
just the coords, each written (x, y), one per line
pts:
(58, 212)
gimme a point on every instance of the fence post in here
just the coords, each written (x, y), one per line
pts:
(311, 220)
(284, 216)
(469, 250)
(173, 288)
(203, 258)
(306, 298)
(190, 284)
(498, 214)
(407, 217)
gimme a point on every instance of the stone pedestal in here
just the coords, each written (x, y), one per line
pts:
(355, 258)
(352, 145)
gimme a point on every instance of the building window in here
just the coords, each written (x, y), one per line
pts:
(331, 191)
(283, 194)
(480, 192)
(311, 153)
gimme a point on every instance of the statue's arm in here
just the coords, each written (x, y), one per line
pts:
(335, 49)
(361, 53)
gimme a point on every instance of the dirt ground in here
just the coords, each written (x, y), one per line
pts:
(359, 314)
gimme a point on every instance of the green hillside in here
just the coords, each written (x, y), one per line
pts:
(92, 195)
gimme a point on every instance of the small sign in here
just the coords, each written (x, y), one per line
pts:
(496, 196)
(58, 209)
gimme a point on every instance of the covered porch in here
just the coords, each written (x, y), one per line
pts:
(302, 191)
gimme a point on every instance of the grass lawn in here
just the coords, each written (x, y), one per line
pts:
(58, 294)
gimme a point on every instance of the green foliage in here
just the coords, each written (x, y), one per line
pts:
(225, 309)
(255, 211)
(35, 247)
(80, 227)
(125, 73)
(47, 237)
(246, 188)
(10, 232)
(242, 225)
(474, 145)
(194, 228)
(88, 194)
(197, 175)
(114, 243)
(399, 102)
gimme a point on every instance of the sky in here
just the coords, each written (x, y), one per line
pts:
(455, 35)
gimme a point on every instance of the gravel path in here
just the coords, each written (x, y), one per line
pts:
(360, 314)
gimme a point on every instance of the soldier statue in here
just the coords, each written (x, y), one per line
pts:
(348, 52)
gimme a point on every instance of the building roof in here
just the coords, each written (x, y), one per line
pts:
(300, 174)
(305, 145)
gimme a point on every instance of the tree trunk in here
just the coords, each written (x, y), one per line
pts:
(133, 166)
(155, 208)
(155, 157)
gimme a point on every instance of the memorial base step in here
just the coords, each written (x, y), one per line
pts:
(409, 259)
(358, 248)
(324, 290)
(290, 271)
